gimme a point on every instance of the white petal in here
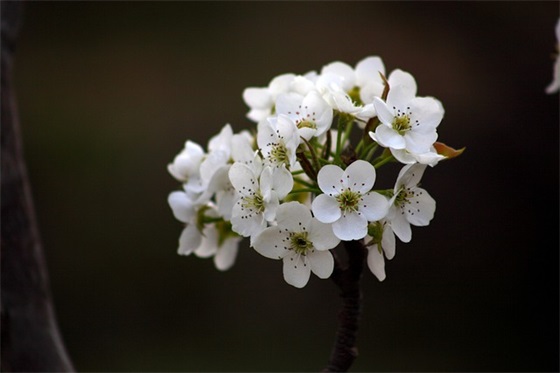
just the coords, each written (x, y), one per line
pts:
(350, 226)
(427, 111)
(388, 242)
(189, 240)
(421, 208)
(221, 141)
(241, 149)
(368, 69)
(403, 156)
(211, 164)
(401, 226)
(243, 179)
(389, 138)
(296, 271)
(293, 216)
(280, 84)
(359, 176)
(374, 206)
(322, 235)
(418, 143)
(246, 223)
(330, 179)
(258, 98)
(385, 114)
(399, 77)
(288, 103)
(326, 209)
(225, 257)
(376, 263)
(322, 263)
(272, 243)
(282, 181)
(399, 97)
(410, 176)
(182, 206)
(209, 244)
(342, 70)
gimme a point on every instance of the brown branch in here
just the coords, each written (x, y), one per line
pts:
(344, 350)
(30, 337)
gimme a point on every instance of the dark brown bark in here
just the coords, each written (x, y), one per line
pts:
(344, 350)
(30, 337)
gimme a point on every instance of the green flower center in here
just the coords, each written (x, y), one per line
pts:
(354, 94)
(279, 155)
(306, 124)
(401, 124)
(299, 243)
(348, 200)
(254, 202)
(402, 197)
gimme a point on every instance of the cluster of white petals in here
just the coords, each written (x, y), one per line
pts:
(298, 186)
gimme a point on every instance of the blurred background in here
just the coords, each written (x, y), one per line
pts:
(109, 92)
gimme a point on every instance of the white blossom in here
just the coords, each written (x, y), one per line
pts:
(382, 243)
(348, 202)
(410, 204)
(310, 113)
(259, 196)
(407, 122)
(301, 241)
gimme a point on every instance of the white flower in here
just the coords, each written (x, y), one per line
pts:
(311, 114)
(366, 74)
(225, 149)
(262, 100)
(383, 241)
(220, 243)
(410, 204)
(278, 139)
(407, 122)
(259, 196)
(554, 86)
(348, 202)
(301, 241)
(186, 167)
(186, 209)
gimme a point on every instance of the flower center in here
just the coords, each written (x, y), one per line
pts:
(354, 95)
(401, 124)
(254, 202)
(306, 124)
(279, 155)
(348, 200)
(299, 243)
(402, 196)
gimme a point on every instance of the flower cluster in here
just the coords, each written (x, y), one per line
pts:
(304, 180)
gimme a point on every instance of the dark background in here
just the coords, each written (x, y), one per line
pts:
(108, 93)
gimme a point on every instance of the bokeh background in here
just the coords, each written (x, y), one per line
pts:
(110, 91)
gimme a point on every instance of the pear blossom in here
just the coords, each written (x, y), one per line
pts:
(259, 193)
(301, 241)
(278, 139)
(261, 100)
(186, 167)
(348, 202)
(410, 204)
(311, 114)
(187, 210)
(407, 122)
(554, 86)
(380, 240)
(220, 243)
